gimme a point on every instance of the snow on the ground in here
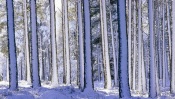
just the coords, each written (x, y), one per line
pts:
(68, 92)
(47, 92)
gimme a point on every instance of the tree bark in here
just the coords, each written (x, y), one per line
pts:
(53, 44)
(13, 72)
(107, 74)
(173, 50)
(35, 62)
(152, 69)
(88, 62)
(124, 90)
(81, 46)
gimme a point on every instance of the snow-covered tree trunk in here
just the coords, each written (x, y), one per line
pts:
(124, 90)
(173, 50)
(81, 46)
(35, 62)
(43, 62)
(159, 44)
(7, 69)
(139, 48)
(163, 43)
(98, 62)
(141, 67)
(152, 79)
(66, 44)
(129, 43)
(169, 34)
(41, 58)
(144, 84)
(135, 48)
(107, 73)
(114, 53)
(27, 55)
(13, 83)
(88, 62)
(53, 44)
(63, 40)
(165, 64)
(102, 35)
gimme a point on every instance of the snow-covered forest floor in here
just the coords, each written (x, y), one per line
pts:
(67, 92)
(60, 92)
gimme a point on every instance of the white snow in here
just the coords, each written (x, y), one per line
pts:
(60, 92)
(67, 92)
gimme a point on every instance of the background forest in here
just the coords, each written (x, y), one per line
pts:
(124, 48)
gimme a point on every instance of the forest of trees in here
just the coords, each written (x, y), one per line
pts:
(126, 44)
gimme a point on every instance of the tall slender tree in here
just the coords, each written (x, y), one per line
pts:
(134, 47)
(27, 55)
(88, 62)
(124, 90)
(165, 64)
(141, 68)
(152, 74)
(53, 43)
(173, 50)
(81, 45)
(67, 67)
(12, 46)
(107, 74)
(169, 32)
(114, 52)
(129, 41)
(35, 62)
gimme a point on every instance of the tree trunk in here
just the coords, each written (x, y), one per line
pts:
(135, 49)
(152, 69)
(129, 42)
(124, 90)
(173, 50)
(7, 69)
(53, 44)
(139, 47)
(35, 62)
(13, 72)
(169, 31)
(66, 44)
(27, 55)
(88, 62)
(107, 73)
(114, 53)
(81, 46)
